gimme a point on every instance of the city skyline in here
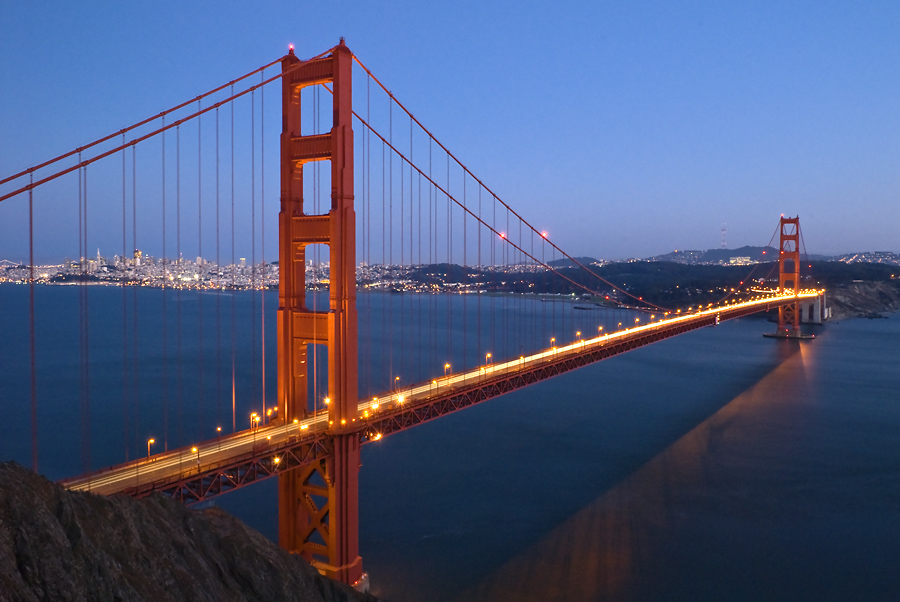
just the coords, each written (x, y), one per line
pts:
(672, 120)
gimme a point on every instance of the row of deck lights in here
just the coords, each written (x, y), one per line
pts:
(256, 418)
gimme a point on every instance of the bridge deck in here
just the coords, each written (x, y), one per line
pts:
(192, 474)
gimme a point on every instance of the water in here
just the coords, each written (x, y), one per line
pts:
(716, 465)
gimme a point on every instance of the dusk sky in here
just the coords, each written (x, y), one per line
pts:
(625, 129)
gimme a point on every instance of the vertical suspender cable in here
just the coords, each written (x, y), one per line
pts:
(450, 271)
(480, 268)
(385, 353)
(367, 243)
(233, 289)
(391, 345)
(262, 226)
(253, 372)
(180, 284)
(402, 226)
(165, 261)
(34, 429)
(200, 350)
(432, 255)
(124, 317)
(420, 373)
(86, 335)
(494, 276)
(81, 311)
(506, 300)
(218, 294)
(134, 302)
(465, 278)
(402, 371)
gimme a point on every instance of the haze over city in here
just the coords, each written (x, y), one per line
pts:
(623, 130)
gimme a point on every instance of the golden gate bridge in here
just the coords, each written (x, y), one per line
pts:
(399, 201)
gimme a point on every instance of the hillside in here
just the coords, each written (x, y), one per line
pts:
(62, 545)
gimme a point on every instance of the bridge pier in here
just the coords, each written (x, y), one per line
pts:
(319, 502)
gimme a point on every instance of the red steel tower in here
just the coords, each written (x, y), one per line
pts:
(318, 503)
(789, 275)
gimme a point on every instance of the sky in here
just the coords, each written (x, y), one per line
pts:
(624, 129)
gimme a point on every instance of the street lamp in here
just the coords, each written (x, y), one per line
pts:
(253, 419)
(446, 367)
(149, 443)
(487, 358)
(196, 450)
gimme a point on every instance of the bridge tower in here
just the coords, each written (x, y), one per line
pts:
(318, 503)
(789, 275)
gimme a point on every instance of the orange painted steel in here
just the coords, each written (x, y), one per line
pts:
(318, 503)
(789, 274)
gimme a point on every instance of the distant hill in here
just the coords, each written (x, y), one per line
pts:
(717, 256)
(565, 262)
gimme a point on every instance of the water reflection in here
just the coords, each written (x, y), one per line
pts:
(611, 549)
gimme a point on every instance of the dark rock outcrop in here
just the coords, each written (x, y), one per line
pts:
(63, 545)
(864, 299)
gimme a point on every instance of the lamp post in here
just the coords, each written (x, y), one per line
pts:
(196, 450)
(487, 358)
(149, 443)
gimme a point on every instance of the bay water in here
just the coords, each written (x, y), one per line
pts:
(717, 465)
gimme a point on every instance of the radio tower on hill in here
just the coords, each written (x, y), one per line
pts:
(724, 225)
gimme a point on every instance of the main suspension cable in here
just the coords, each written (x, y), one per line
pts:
(467, 170)
(124, 131)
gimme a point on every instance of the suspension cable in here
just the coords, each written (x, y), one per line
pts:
(124, 131)
(467, 170)
(488, 226)
(156, 132)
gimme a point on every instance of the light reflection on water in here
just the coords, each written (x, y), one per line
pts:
(715, 466)
(602, 551)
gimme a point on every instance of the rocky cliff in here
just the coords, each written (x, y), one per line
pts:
(62, 545)
(864, 299)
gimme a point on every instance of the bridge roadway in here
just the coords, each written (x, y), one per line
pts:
(195, 473)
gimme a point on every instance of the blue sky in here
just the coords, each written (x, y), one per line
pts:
(623, 128)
